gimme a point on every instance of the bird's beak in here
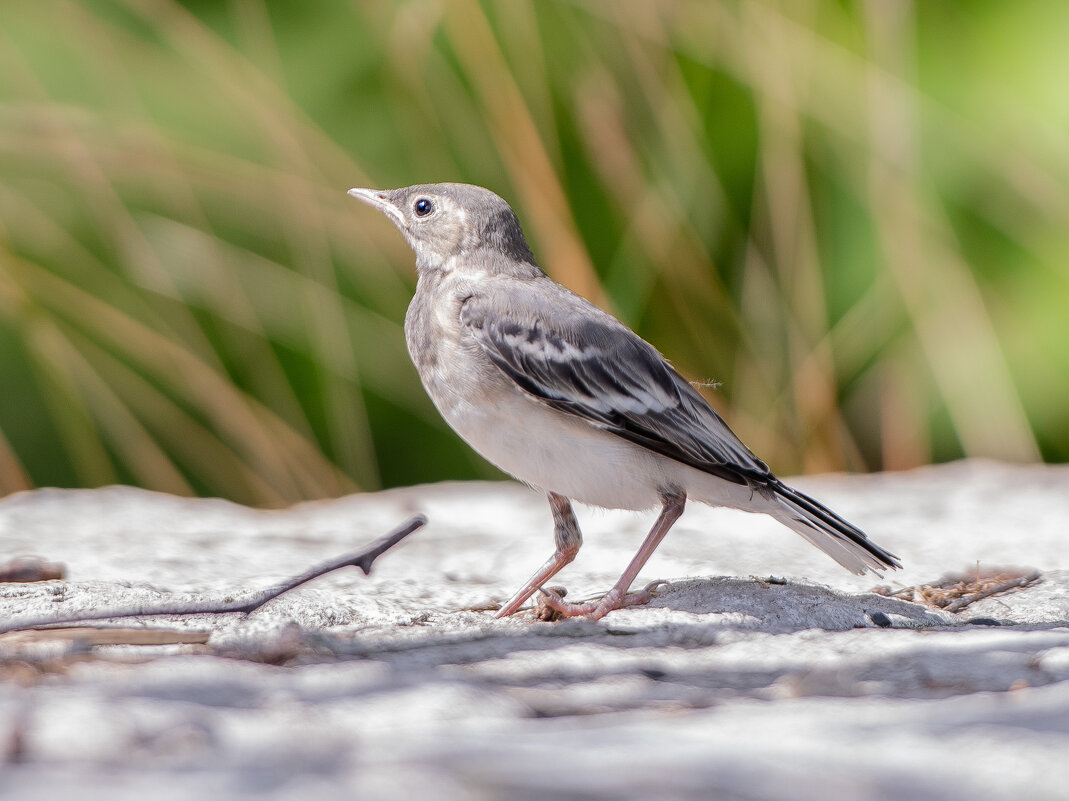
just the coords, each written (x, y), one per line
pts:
(381, 201)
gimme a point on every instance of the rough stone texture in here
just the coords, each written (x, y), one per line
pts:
(727, 686)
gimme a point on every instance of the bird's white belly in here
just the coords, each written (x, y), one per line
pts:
(552, 451)
(569, 457)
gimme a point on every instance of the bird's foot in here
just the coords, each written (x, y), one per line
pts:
(552, 606)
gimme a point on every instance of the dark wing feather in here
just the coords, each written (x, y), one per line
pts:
(579, 360)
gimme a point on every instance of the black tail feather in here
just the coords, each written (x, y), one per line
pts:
(845, 535)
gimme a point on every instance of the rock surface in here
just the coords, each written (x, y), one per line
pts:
(762, 671)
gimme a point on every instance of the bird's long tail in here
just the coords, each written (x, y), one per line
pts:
(839, 539)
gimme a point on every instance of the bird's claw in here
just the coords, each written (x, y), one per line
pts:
(546, 603)
(552, 606)
(653, 589)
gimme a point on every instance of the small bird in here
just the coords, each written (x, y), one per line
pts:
(569, 400)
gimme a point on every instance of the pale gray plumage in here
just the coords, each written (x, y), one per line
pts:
(563, 396)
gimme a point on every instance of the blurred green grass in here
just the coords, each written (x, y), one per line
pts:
(850, 215)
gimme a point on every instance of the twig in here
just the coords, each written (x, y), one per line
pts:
(26, 569)
(960, 603)
(361, 559)
(108, 635)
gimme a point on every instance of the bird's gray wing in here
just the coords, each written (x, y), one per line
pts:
(581, 361)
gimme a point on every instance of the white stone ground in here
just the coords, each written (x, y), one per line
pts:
(392, 686)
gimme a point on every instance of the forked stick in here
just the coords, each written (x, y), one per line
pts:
(361, 559)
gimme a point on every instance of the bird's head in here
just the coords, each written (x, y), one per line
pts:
(444, 221)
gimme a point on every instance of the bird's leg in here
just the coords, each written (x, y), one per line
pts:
(618, 597)
(566, 536)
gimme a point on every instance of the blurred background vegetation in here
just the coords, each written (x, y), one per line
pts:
(854, 217)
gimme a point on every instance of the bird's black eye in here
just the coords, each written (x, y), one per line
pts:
(423, 207)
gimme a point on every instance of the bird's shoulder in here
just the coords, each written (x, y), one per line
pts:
(540, 307)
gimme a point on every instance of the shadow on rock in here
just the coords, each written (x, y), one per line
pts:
(778, 606)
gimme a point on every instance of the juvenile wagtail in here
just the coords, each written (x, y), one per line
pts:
(567, 399)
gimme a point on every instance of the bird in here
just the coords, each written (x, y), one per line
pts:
(564, 397)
